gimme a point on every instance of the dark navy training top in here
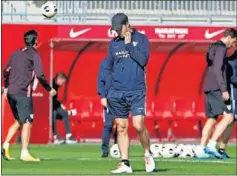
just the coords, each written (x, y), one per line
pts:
(232, 69)
(126, 67)
(101, 79)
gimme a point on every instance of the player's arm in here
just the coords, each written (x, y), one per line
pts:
(139, 53)
(234, 76)
(101, 80)
(233, 59)
(108, 70)
(39, 72)
(217, 64)
(6, 73)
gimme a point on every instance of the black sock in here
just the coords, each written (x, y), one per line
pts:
(126, 162)
(221, 151)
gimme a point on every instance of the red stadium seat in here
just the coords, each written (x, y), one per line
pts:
(163, 108)
(199, 109)
(163, 112)
(84, 107)
(184, 108)
(150, 109)
(97, 110)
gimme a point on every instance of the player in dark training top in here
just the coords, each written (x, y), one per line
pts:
(19, 74)
(217, 96)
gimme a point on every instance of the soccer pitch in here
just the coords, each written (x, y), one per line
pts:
(86, 159)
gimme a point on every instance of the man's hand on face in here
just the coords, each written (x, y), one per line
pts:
(127, 38)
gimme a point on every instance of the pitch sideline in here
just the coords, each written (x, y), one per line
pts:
(156, 159)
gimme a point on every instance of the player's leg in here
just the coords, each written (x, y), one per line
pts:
(108, 124)
(64, 114)
(225, 139)
(138, 109)
(57, 138)
(119, 110)
(25, 111)
(12, 130)
(227, 133)
(123, 139)
(220, 128)
(123, 143)
(206, 134)
(143, 135)
(219, 107)
(115, 135)
(207, 131)
(211, 121)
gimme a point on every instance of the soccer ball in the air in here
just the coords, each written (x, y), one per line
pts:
(49, 9)
(114, 151)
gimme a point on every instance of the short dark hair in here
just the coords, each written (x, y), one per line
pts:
(61, 75)
(30, 37)
(230, 32)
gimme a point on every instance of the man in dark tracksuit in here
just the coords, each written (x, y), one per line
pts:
(217, 97)
(108, 120)
(60, 113)
(19, 75)
(126, 88)
(232, 81)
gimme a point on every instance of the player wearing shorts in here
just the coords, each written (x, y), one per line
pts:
(126, 88)
(217, 96)
(19, 75)
(108, 120)
(232, 79)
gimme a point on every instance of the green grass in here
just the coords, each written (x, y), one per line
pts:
(85, 159)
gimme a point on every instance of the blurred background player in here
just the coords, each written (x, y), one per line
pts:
(19, 75)
(60, 113)
(126, 88)
(108, 119)
(216, 93)
(232, 79)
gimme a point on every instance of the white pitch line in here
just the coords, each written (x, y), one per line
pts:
(160, 160)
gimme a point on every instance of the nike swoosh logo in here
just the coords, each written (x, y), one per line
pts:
(74, 34)
(209, 35)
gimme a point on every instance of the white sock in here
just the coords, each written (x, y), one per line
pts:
(6, 145)
(147, 153)
(211, 144)
(68, 135)
(24, 152)
(55, 136)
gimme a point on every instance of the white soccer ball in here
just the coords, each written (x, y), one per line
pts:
(155, 149)
(178, 150)
(171, 146)
(114, 151)
(167, 151)
(49, 9)
(187, 153)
